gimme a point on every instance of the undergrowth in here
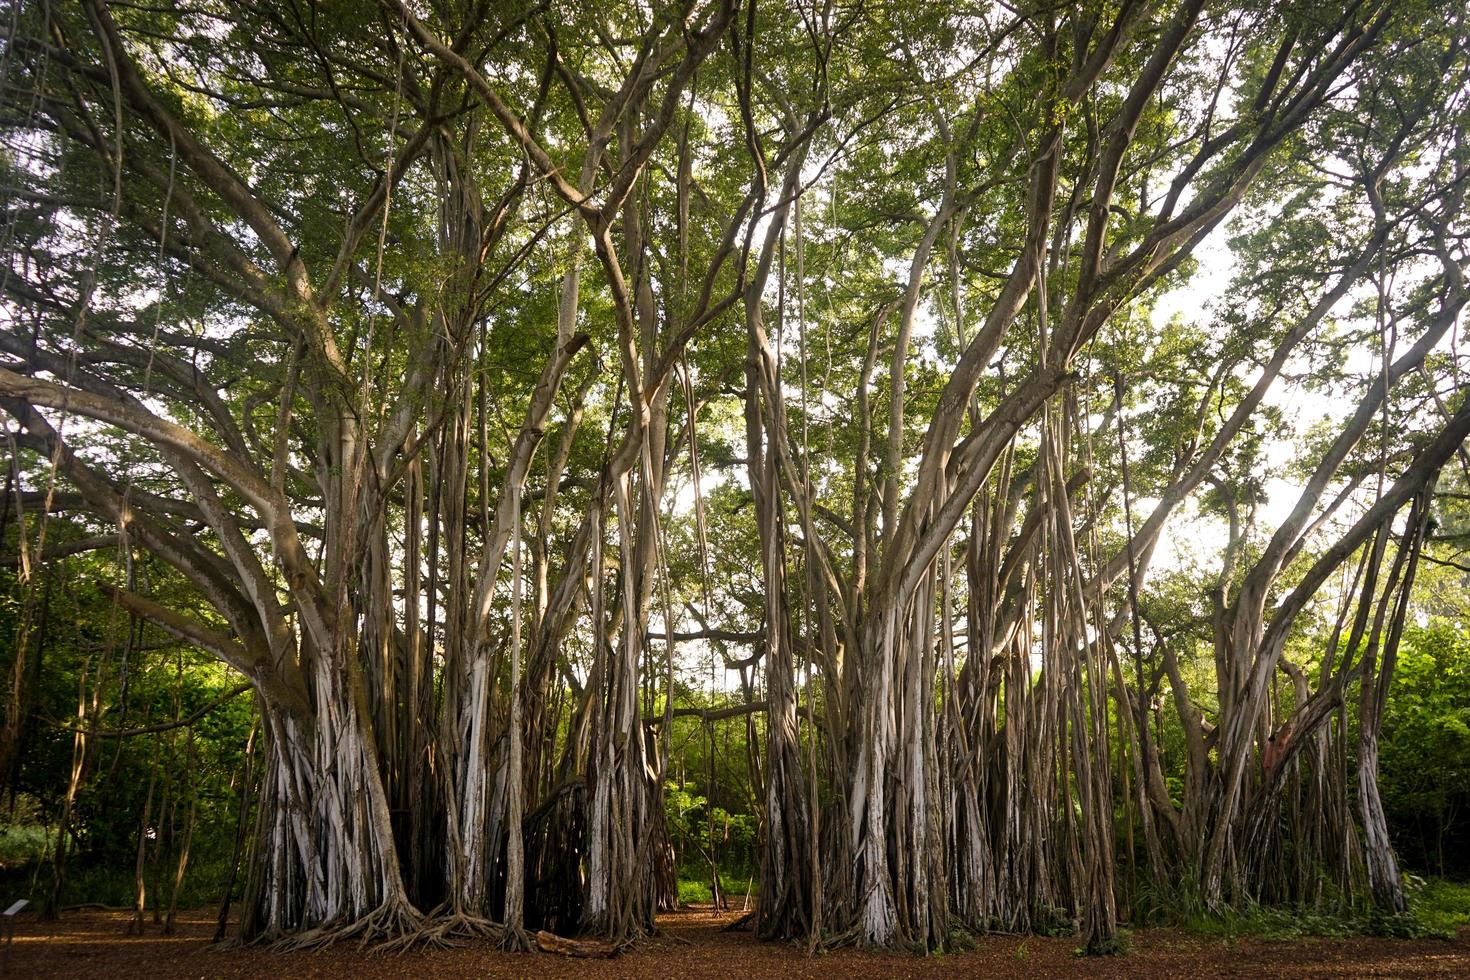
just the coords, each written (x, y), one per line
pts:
(696, 891)
(1437, 909)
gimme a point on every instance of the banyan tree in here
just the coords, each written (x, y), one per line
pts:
(471, 370)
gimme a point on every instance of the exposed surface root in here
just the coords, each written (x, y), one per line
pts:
(839, 940)
(318, 937)
(741, 923)
(514, 939)
(446, 931)
(92, 944)
(395, 919)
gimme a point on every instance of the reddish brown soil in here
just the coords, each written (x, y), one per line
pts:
(92, 945)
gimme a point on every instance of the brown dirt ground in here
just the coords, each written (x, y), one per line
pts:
(692, 943)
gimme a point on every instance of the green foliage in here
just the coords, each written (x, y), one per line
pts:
(22, 844)
(696, 891)
(1054, 921)
(1117, 945)
(1424, 761)
(141, 679)
(1437, 909)
(733, 843)
(1441, 906)
(960, 940)
(1266, 922)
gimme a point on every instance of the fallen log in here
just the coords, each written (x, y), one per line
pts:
(550, 942)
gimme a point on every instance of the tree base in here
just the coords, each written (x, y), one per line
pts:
(391, 922)
(514, 939)
(457, 928)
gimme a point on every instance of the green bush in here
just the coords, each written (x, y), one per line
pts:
(1437, 909)
(696, 891)
(22, 844)
(1441, 906)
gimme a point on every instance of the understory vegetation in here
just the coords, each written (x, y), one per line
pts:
(901, 471)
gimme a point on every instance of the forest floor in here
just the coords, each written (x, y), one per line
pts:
(693, 943)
